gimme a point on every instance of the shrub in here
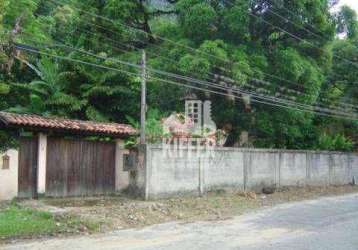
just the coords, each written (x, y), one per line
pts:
(337, 143)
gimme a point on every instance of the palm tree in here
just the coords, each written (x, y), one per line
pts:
(48, 94)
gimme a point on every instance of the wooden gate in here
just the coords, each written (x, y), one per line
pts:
(79, 167)
(27, 177)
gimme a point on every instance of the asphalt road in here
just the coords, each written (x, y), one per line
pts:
(328, 223)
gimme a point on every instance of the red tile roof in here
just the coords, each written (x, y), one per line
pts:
(77, 126)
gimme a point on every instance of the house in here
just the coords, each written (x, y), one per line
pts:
(61, 157)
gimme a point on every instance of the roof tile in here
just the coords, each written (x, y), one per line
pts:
(40, 122)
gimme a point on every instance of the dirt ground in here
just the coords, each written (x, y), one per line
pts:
(319, 224)
(120, 212)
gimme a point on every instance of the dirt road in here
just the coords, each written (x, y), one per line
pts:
(326, 223)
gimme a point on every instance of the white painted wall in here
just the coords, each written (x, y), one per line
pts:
(9, 177)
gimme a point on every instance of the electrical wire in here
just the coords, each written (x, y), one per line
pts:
(178, 44)
(157, 71)
(252, 93)
(206, 82)
(293, 35)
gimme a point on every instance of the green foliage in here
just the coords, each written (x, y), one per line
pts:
(198, 20)
(192, 65)
(241, 69)
(153, 129)
(17, 221)
(4, 88)
(301, 71)
(338, 143)
(217, 49)
(236, 21)
(122, 10)
(225, 39)
(47, 96)
(8, 140)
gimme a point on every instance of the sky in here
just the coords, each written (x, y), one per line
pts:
(351, 3)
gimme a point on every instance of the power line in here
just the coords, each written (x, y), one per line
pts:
(181, 45)
(257, 81)
(299, 93)
(164, 39)
(157, 71)
(303, 28)
(257, 101)
(293, 35)
(169, 59)
(187, 78)
(307, 30)
(235, 88)
(112, 21)
(196, 80)
(294, 14)
(127, 45)
(297, 25)
(73, 60)
(176, 43)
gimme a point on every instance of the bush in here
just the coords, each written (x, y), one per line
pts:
(154, 128)
(335, 143)
(8, 139)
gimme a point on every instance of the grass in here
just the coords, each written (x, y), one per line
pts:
(16, 221)
(35, 218)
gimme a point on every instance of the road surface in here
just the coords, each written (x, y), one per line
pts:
(327, 223)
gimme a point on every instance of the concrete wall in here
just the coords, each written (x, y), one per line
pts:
(122, 177)
(8, 177)
(179, 175)
(171, 172)
(216, 167)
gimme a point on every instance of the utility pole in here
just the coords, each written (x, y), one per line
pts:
(143, 106)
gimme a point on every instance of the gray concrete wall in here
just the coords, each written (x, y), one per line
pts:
(178, 175)
(214, 170)
(171, 172)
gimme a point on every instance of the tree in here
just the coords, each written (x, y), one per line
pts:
(47, 96)
(235, 43)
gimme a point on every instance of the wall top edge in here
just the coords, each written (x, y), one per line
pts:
(248, 150)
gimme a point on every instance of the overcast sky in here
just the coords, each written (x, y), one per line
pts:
(351, 3)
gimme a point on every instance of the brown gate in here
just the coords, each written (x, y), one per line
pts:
(79, 167)
(27, 177)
